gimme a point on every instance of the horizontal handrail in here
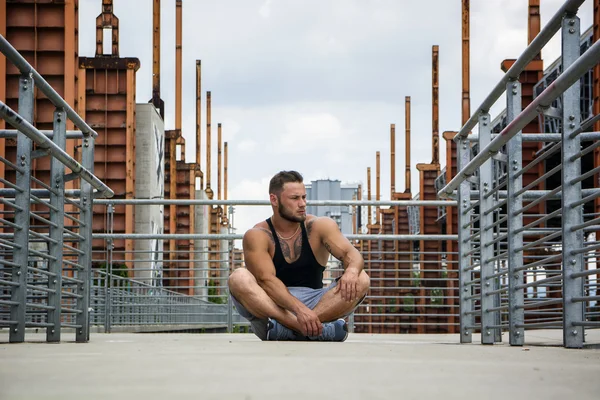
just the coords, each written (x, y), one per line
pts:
(401, 203)
(227, 236)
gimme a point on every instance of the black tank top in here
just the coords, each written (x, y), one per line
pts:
(305, 271)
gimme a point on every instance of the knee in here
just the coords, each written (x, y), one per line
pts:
(364, 282)
(239, 279)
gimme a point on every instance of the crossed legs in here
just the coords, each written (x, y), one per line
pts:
(244, 287)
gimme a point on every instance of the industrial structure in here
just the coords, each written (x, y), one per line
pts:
(414, 282)
(132, 137)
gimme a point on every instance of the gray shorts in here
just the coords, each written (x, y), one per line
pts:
(309, 297)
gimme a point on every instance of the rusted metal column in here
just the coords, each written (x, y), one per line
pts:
(369, 250)
(209, 191)
(534, 23)
(359, 213)
(435, 106)
(407, 146)
(392, 160)
(178, 65)
(199, 120)
(466, 65)
(219, 164)
(156, 100)
(130, 165)
(369, 218)
(173, 207)
(225, 178)
(377, 187)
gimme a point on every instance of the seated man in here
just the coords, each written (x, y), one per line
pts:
(281, 292)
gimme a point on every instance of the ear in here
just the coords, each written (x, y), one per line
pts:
(273, 199)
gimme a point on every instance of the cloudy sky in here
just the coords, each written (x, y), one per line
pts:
(314, 85)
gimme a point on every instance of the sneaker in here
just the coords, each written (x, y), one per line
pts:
(336, 331)
(276, 331)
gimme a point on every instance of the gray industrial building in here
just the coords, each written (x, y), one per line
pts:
(327, 189)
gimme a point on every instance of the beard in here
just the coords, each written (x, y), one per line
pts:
(289, 216)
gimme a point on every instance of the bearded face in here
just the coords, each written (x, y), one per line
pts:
(291, 202)
(290, 214)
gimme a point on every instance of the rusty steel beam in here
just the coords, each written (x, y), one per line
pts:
(466, 63)
(407, 143)
(199, 118)
(178, 65)
(209, 191)
(534, 25)
(105, 20)
(225, 179)
(377, 187)
(359, 221)
(130, 164)
(435, 118)
(172, 195)
(219, 164)
(369, 219)
(392, 160)
(156, 100)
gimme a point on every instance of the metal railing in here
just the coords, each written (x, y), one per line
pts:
(45, 244)
(191, 282)
(527, 246)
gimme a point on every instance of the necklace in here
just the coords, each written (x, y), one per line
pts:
(293, 234)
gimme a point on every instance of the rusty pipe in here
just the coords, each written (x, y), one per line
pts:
(435, 159)
(392, 160)
(407, 143)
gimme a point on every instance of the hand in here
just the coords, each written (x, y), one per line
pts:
(309, 322)
(348, 285)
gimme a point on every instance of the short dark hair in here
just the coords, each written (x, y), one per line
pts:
(281, 178)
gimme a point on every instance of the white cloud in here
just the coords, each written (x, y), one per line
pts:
(305, 132)
(265, 9)
(247, 146)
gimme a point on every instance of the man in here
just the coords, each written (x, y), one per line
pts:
(281, 292)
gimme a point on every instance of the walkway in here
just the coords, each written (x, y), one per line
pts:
(238, 366)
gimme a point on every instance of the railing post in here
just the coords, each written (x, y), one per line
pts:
(23, 181)
(464, 245)
(514, 152)
(57, 199)
(486, 235)
(571, 215)
(85, 260)
(108, 283)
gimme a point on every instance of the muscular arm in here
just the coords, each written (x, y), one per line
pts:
(259, 263)
(342, 249)
(339, 246)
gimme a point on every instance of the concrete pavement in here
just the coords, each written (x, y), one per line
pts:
(238, 366)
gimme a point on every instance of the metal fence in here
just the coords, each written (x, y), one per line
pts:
(46, 238)
(190, 286)
(527, 233)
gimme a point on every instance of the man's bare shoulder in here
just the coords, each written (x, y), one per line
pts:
(319, 223)
(257, 235)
